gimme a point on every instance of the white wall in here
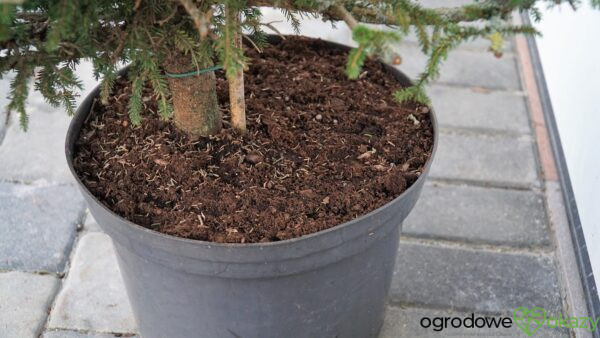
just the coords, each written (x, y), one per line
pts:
(570, 55)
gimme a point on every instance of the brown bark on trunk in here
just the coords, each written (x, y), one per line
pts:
(196, 109)
(237, 102)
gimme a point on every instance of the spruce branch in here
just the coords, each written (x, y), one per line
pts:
(371, 42)
(290, 16)
(345, 15)
(201, 20)
(120, 46)
(135, 101)
(45, 39)
(383, 12)
(19, 88)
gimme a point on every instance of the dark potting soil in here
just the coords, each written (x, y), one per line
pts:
(320, 150)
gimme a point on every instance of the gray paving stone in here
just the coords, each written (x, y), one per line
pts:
(4, 83)
(37, 226)
(466, 68)
(474, 280)
(24, 302)
(76, 334)
(476, 214)
(93, 296)
(499, 159)
(406, 322)
(479, 108)
(38, 154)
(478, 45)
(90, 223)
(2, 123)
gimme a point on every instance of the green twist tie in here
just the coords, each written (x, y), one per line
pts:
(194, 73)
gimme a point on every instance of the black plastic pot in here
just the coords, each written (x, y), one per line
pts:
(332, 283)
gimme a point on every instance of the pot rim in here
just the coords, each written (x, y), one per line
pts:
(74, 130)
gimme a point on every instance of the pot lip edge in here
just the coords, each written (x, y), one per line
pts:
(87, 102)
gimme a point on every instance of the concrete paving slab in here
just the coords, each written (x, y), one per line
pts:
(474, 280)
(90, 224)
(466, 68)
(78, 334)
(479, 108)
(504, 160)
(37, 226)
(93, 296)
(3, 123)
(480, 215)
(37, 155)
(24, 302)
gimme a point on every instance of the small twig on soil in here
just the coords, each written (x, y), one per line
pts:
(270, 26)
(253, 44)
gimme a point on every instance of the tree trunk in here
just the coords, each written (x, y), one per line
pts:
(196, 109)
(237, 103)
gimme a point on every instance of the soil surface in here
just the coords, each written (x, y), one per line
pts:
(320, 150)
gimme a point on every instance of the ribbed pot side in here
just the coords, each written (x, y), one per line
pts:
(332, 283)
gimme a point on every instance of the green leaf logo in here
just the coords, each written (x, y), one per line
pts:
(529, 320)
